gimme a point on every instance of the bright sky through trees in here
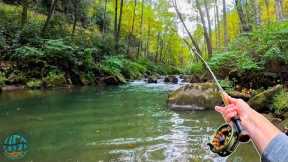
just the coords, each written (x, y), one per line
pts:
(187, 9)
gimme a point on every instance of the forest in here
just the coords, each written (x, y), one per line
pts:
(86, 42)
(48, 45)
(52, 43)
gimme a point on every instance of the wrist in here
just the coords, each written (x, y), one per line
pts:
(260, 129)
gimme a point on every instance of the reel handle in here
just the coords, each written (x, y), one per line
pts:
(243, 135)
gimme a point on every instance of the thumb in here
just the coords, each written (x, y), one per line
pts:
(220, 109)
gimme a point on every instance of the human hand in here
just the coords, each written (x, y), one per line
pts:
(261, 130)
(236, 108)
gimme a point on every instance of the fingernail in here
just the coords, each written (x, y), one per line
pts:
(218, 108)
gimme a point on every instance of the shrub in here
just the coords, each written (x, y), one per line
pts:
(195, 68)
(280, 102)
(2, 39)
(233, 61)
(112, 65)
(54, 79)
(3, 79)
(58, 49)
(26, 53)
(133, 70)
(34, 84)
(227, 84)
(151, 67)
(275, 54)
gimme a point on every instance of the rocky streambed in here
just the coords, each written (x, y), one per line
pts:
(204, 96)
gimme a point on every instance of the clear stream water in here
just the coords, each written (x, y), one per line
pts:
(126, 123)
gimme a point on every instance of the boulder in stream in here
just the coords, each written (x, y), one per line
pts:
(152, 79)
(195, 96)
(113, 80)
(171, 79)
(262, 101)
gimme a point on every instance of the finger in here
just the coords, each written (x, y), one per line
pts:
(227, 109)
(230, 108)
(220, 109)
(230, 115)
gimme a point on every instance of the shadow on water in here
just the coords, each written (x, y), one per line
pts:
(126, 123)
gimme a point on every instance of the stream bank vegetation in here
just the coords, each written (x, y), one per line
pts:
(52, 43)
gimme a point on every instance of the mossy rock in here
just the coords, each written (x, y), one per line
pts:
(195, 96)
(113, 80)
(171, 79)
(262, 102)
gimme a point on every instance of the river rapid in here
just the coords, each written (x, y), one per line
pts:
(125, 123)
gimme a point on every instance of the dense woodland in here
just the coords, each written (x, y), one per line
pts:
(47, 43)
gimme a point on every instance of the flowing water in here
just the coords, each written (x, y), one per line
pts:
(125, 123)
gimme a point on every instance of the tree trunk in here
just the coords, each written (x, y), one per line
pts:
(132, 27)
(226, 37)
(245, 27)
(206, 34)
(75, 18)
(116, 20)
(148, 40)
(186, 29)
(267, 3)
(218, 25)
(208, 18)
(257, 12)
(279, 11)
(24, 17)
(158, 47)
(119, 23)
(104, 16)
(141, 27)
(49, 16)
(134, 16)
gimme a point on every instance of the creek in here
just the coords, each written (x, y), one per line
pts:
(122, 123)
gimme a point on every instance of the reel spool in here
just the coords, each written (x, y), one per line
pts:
(225, 140)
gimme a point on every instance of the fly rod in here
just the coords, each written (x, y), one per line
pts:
(236, 132)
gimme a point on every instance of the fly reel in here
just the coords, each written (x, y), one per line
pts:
(225, 140)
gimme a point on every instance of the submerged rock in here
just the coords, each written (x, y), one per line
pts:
(196, 96)
(12, 88)
(171, 79)
(262, 101)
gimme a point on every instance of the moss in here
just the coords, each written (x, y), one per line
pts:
(280, 102)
